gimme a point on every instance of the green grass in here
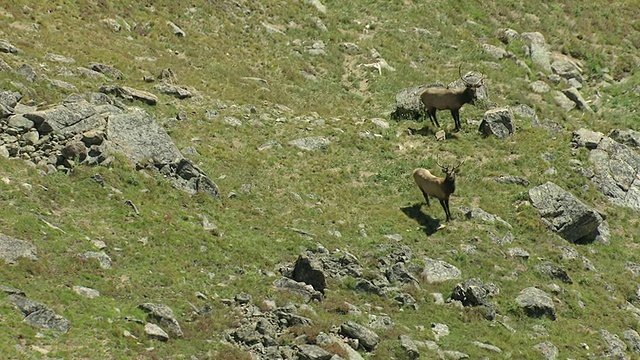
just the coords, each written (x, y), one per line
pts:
(163, 255)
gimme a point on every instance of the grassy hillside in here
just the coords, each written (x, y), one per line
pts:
(251, 61)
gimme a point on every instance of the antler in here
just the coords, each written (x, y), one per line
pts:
(465, 81)
(460, 164)
(438, 163)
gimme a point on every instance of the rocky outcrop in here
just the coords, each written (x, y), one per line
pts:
(564, 214)
(615, 166)
(84, 129)
(536, 303)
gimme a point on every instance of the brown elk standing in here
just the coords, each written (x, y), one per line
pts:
(440, 188)
(450, 99)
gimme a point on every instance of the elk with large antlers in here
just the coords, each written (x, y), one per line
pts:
(440, 188)
(450, 99)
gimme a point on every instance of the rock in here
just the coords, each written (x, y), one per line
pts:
(38, 314)
(563, 101)
(68, 118)
(11, 249)
(6, 47)
(102, 257)
(130, 94)
(487, 346)
(176, 29)
(497, 122)
(616, 347)
(536, 303)
(164, 315)
(564, 214)
(318, 5)
(307, 291)
(436, 271)
(496, 52)
(479, 214)
(439, 330)
(554, 271)
(155, 332)
(366, 337)
(538, 49)
(409, 347)
(179, 92)
(511, 179)
(548, 350)
(471, 292)
(633, 340)
(586, 138)
(107, 70)
(86, 292)
(310, 272)
(311, 143)
(313, 352)
(539, 87)
(627, 137)
(518, 252)
(507, 35)
(574, 95)
(452, 355)
(567, 69)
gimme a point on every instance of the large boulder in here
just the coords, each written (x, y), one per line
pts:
(564, 214)
(498, 122)
(536, 303)
(616, 166)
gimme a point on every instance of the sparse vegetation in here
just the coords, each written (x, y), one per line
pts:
(359, 183)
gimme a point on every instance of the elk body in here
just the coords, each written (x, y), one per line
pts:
(437, 187)
(449, 99)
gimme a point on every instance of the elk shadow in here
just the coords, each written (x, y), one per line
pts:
(423, 131)
(429, 224)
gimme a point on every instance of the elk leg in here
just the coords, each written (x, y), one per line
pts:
(432, 116)
(456, 118)
(445, 206)
(426, 198)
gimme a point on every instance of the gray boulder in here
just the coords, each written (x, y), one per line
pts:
(310, 271)
(497, 122)
(472, 292)
(615, 167)
(436, 271)
(538, 49)
(564, 214)
(616, 347)
(628, 137)
(574, 95)
(38, 314)
(548, 350)
(554, 271)
(11, 249)
(366, 337)
(164, 316)
(536, 303)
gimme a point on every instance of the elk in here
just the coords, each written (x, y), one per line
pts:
(440, 188)
(450, 99)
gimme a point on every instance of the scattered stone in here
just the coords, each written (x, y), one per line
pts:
(538, 49)
(616, 347)
(11, 249)
(518, 252)
(548, 350)
(164, 315)
(38, 314)
(539, 87)
(487, 346)
(497, 52)
(479, 214)
(563, 101)
(511, 179)
(86, 292)
(310, 271)
(536, 303)
(409, 347)
(311, 143)
(176, 29)
(472, 292)
(628, 137)
(436, 271)
(633, 340)
(102, 257)
(366, 337)
(498, 122)
(554, 271)
(307, 291)
(574, 95)
(155, 332)
(107, 70)
(439, 330)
